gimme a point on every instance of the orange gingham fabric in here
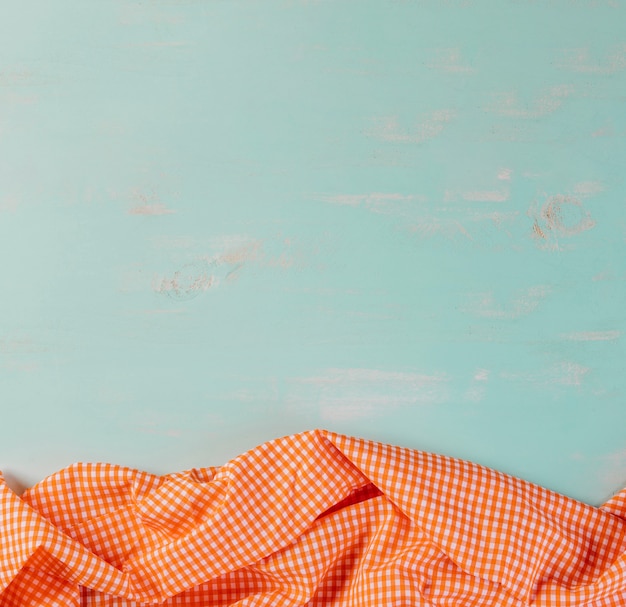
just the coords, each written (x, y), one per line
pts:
(311, 519)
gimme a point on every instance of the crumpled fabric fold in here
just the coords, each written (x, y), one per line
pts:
(316, 518)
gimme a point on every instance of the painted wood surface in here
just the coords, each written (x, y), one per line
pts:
(223, 222)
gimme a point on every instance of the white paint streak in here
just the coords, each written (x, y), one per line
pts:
(19, 366)
(343, 394)
(508, 104)
(565, 373)
(18, 77)
(588, 188)
(358, 199)
(593, 335)
(605, 275)
(485, 196)
(580, 60)
(428, 220)
(498, 218)
(478, 387)
(20, 345)
(389, 129)
(474, 394)
(481, 375)
(426, 227)
(603, 132)
(451, 61)
(11, 98)
(505, 174)
(241, 253)
(150, 209)
(377, 202)
(569, 373)
(358, 375)
(525, 302)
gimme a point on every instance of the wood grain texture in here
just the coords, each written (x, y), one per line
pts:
(222, 222)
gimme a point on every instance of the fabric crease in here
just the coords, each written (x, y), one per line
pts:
(315, 518)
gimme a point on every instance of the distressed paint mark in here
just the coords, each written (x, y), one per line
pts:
(451, 221)
(19, 366)
(508, 104)
(355, 200)
(268, 253)
(11, 98)
(588, 188)
(565, 373)
(144, 201)
(604, 275)
(605, 131)
(560, 215)
(20, 345)
(18, 77)
(150, 209)
(377, 202)
(388, 128)
(450, 228)
(338, 376)
(580, 60)
(485, 196)
(451, 61)
(498, 218)
(147, 203)
(207, 272)
(593, 335)
(566, 215)
(344, 394)
(569, 373)
(218, 243)
(250, 251)
(525, 302)
(481, 375)
(505, 174)
(239, 256)
(537, 231)
(509, 131)
(427, 227)
(187, 283)
(476, 392)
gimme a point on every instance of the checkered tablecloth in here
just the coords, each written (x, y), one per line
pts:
(311, 519)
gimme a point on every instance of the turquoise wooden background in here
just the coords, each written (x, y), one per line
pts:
(226, 221)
